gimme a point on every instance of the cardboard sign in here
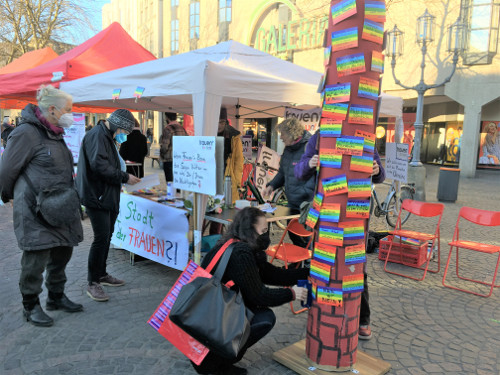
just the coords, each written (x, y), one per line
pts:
(309, 118)
(73, 135)
(247, 146)
(194, 164)
(153, 231)
(396, 161)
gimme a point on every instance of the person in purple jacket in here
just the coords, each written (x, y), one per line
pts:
(306, 168)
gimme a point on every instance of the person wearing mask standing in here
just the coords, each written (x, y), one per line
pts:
(37, 153)
(7, 128)
(101, 172)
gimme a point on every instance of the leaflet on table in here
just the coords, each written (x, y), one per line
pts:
(146, 182)
(266, 207)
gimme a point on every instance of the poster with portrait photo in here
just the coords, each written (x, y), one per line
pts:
(489, 146)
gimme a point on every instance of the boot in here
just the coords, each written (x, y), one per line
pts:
(59, 301)
(37, 316)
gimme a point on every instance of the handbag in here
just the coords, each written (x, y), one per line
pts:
(212, 313)
(56, 206)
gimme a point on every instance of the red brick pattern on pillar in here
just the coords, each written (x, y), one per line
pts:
(332, 331)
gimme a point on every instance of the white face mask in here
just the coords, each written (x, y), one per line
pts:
(65, 121)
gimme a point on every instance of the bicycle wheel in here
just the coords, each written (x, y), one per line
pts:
(280, 199)
(392, 214)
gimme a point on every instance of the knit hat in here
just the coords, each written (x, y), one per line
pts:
(123, 119)
(293, 127)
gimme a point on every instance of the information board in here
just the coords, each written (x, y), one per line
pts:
(396, 161)
(247, 146)
(73, 135)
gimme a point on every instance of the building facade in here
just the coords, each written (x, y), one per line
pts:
(457, 115)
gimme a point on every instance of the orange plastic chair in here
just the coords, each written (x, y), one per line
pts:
(290, 253)
(482, 218)
(422, 209)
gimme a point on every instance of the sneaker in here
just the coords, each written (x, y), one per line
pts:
(109, 280)
(365, 332)
(96, 292)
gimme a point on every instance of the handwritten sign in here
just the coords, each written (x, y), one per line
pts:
(329, 296)
(330, 212)
(194, 164)
(396, 161)
(325, 253)
(353, 230)
(350, 145)
(153, 231)
(358, 208)
(320, 271)
(331, 235)
(344, 39)
(73, 135)
(338, 93)
(334, 185)
(330, 128)
(342, 10)
(355, 254)
(353, 283)
(247, 146)
(350, 64)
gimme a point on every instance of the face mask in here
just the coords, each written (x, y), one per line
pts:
(263, 241)
(120, 138)
(65, 121)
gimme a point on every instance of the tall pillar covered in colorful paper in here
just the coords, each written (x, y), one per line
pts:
(353, 65)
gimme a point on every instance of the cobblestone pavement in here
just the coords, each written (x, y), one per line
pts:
(419, 327)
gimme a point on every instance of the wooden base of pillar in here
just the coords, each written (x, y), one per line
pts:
(294, 357)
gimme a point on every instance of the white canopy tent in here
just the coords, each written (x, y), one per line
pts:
(246, 81)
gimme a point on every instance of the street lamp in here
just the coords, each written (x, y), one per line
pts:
(394, 48)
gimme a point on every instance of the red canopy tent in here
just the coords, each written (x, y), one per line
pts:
(110, 49)
(30, 60)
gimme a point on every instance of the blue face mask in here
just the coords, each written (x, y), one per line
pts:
(120, 138)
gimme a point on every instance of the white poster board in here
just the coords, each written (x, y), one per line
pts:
(153, 231)
(194, 164)
(309, 118)
(247, 146)
(73, 135)
(396, 161)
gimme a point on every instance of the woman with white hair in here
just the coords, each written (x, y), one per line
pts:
(37, 160)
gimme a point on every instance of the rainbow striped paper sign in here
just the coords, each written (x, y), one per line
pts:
(329, 127)
(312, 217)
(355, 254)
(338, 93)
(351, 64)
(375, 10)
(362, 163)
(358, 208)
(377, 62)
(116, 94)
(324, 253)
(361, 114)
(353, 283)
(329, 158)
(344, 39)
(359, 188)
(327, 55)
(353, 230)
(329, 296)
(330, 212)
(369, 145)
(138, 92)
(335, 185)
(350, 145)
(373, 31)
(368, 88)
(342, 10)
(320, 271)
(336, 111)
(318, 201)
(333, 236)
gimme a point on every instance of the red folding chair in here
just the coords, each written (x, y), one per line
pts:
(482, 218)
(290, 253)
(421, 209)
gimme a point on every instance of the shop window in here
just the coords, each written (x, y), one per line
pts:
(174, 36)
(482, 18)
(194, 20)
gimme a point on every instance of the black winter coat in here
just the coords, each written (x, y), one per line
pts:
(99, 176)
(296, 191)
(135, 149)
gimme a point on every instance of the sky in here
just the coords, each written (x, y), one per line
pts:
(95, 14)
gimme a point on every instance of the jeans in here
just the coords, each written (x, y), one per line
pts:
(364, 309)
(33, 263)
(103, 223)
(263, 321)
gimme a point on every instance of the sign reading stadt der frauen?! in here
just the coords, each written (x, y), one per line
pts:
(194, 164)
(152, 230)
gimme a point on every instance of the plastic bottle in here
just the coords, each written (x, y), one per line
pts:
(228, 192)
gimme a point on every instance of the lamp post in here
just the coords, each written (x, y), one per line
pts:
(425, 35)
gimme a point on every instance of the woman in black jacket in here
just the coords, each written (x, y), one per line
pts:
(250, 271)
(100, 174)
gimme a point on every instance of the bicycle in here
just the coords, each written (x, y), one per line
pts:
(388, 207)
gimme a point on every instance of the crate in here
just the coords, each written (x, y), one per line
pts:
(413, 256)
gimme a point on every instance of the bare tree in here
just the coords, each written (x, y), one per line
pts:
(26, 25)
